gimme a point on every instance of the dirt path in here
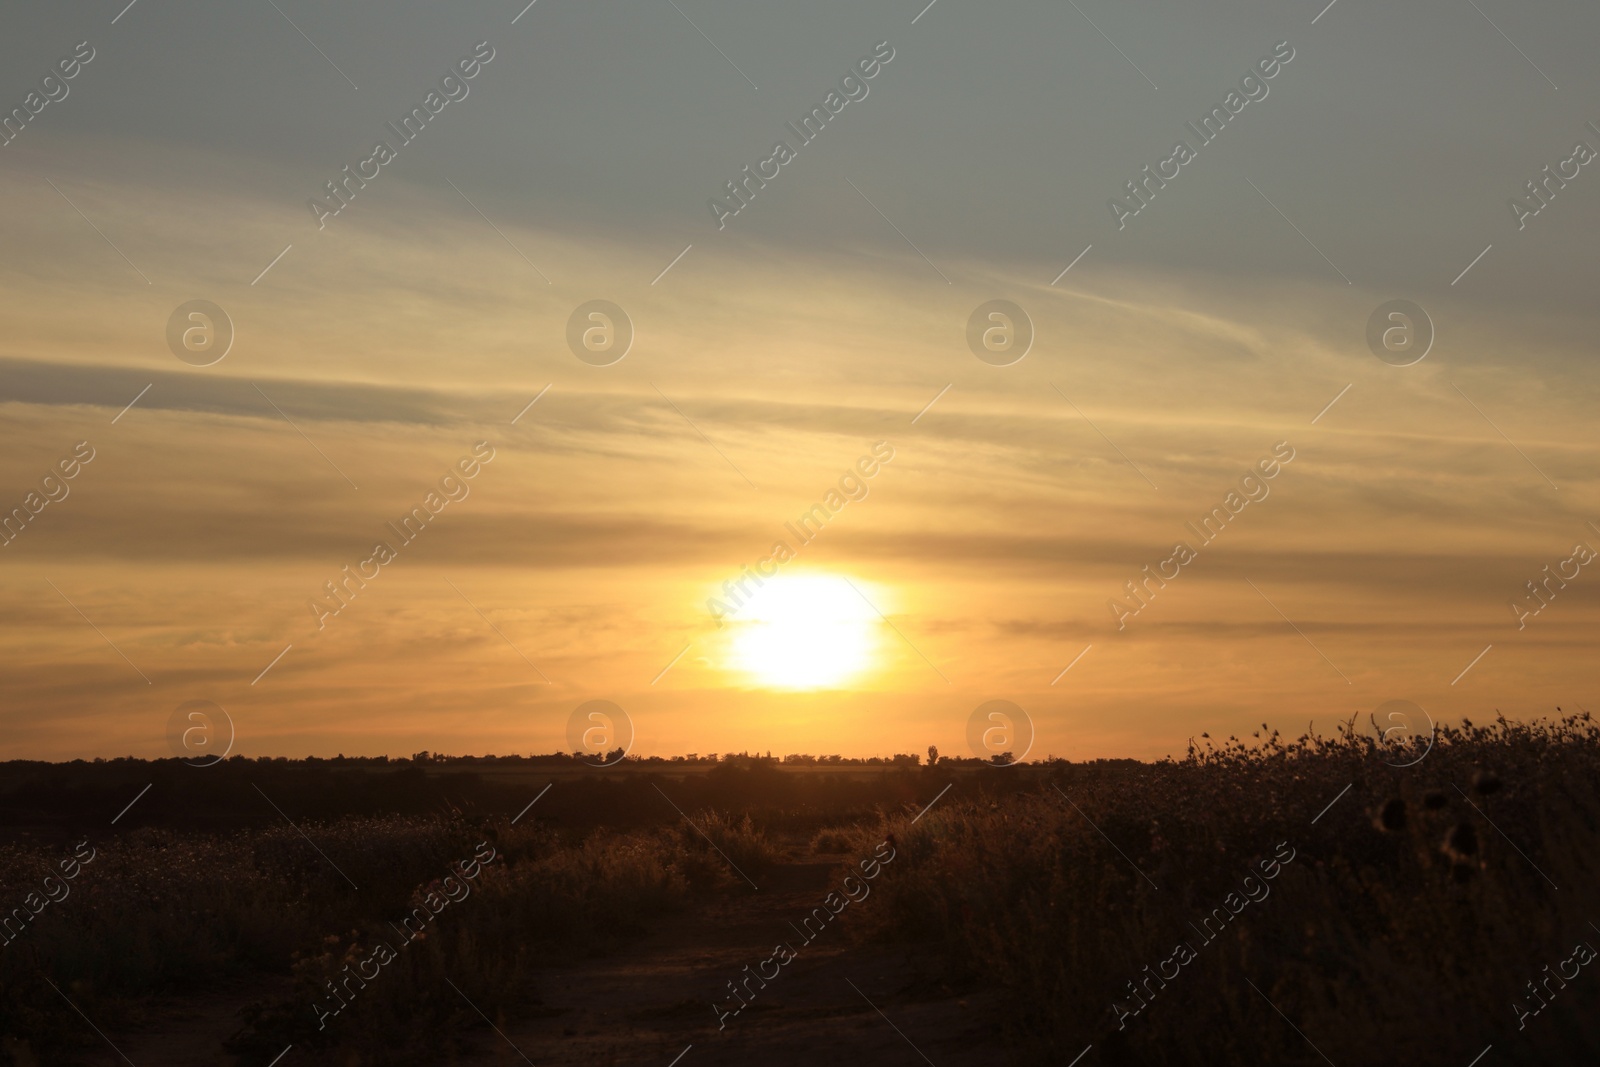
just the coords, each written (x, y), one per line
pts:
(651, 1001)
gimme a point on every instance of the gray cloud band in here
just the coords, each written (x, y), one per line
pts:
(1539, 191)
(54, 489)
(452, 87)
(1253, 484)
(406, 530)
(1252, 87)
(53, 88)
(853, 86)
(1542, 590)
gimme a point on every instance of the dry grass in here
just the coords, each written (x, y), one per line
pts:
(169, 914)
(1408, 922)
(851, 839)
(1401, 932)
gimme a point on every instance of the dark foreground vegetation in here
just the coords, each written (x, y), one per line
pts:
(1321, 900)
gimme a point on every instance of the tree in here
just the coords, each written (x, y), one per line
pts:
(933, 755)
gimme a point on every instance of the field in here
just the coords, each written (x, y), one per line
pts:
(1321, 900)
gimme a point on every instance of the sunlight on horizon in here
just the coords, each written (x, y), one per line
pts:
(805, 632)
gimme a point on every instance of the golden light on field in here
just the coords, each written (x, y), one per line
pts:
(805, 632)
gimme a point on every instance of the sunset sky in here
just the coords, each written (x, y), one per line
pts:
(777, 351)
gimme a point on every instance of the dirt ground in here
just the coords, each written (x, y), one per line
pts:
(650, 1003)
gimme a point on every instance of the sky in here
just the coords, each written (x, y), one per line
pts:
(1169, 355)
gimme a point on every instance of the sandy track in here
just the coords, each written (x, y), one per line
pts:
(650, 1002)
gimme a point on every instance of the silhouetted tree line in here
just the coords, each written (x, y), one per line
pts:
(59, 799)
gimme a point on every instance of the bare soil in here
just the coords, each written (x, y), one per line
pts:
(651, 1002)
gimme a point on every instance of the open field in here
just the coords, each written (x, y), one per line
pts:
(1261, 901)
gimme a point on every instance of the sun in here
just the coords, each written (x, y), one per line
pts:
(805, 632)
